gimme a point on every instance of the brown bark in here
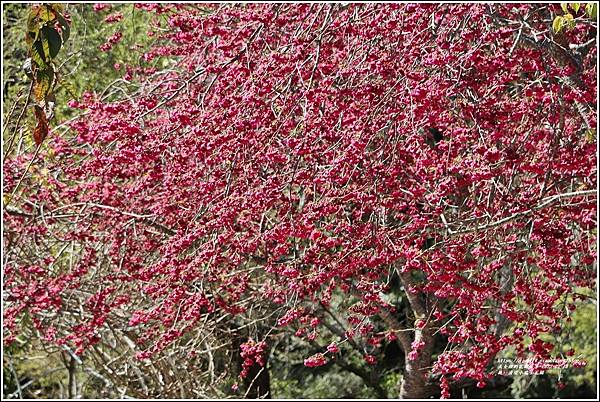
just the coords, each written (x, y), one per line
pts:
(414, 384)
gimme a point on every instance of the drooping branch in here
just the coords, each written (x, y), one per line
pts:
(545, 202)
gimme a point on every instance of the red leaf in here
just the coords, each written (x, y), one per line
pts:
(41, 129)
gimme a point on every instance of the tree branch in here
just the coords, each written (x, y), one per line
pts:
(545, 202)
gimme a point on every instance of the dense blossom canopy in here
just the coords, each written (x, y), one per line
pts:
(296, 152)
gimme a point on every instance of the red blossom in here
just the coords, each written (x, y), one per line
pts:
(370, 359)
(101, 6)
(315, 360)
(333, 348)
(116, 17)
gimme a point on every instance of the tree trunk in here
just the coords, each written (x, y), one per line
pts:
(414, 383)
(72, 368)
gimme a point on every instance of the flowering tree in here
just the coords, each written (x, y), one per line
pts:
(299, 163)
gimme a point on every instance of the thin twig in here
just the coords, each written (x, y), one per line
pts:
(37, 150)
(18, 123)
(545, 202)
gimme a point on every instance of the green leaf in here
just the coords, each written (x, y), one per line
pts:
(43, 83)
(46, 13)
(59, 8)
(564, 7)
(569, 20)
(575, 7)
(590, 135)
(33, 28)
(32, 23)
(591, 9)
(51, 42)
(38, 55)
(64, 26)
(557, 23)
(31, 37)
